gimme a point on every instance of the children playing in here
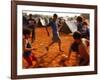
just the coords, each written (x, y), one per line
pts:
(79, 49)
(76, 44)
(55, 33)
(27, 49)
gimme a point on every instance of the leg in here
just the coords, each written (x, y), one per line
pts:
(47, 48)
(29, 61)
(33, 35)
(59, 44)
(47, 31)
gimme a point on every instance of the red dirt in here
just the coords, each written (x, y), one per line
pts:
(53, 57)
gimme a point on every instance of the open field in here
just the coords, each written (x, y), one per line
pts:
(51, 58)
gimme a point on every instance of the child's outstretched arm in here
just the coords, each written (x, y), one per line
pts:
(69, 53)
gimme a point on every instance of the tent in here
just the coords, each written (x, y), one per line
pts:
(42, 22)
(68, 27)
(65, 28)
(72, 25)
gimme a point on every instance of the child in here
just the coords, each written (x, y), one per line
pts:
(80, 49)
(27, 48)
(55, 37)
(85, 30)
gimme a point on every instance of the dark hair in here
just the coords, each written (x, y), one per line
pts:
(79, 18)
(55, 15)
(77, 35)
(30, 15)
(85, 23)
(26, 32)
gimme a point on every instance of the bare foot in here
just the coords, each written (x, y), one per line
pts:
(61, 50)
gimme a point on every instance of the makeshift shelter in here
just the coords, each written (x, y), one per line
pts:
(68, 27)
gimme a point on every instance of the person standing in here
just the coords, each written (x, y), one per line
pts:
(31, 25)
(85, 31)
(55, 32)
(79, 23)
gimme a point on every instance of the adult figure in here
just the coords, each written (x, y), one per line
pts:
(79, 23)
(31, 25)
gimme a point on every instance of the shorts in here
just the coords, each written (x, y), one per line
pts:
(56, 38)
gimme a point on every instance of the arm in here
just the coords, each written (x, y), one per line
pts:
(84, 54)
(25, 46)
(46, 27)
(60, 26)
(28, 49)
(69, 53)
(47, 31)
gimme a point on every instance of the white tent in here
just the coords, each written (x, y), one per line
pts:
(72, 25)
(43, 22)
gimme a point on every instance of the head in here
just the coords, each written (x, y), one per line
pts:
(77, 36)
(30, 16)
(26, 33)
(85, 24)
(79, 19)
(55, 16)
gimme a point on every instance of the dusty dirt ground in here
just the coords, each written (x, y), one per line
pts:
(51, 58)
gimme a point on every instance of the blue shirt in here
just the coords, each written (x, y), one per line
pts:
(54, 27)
